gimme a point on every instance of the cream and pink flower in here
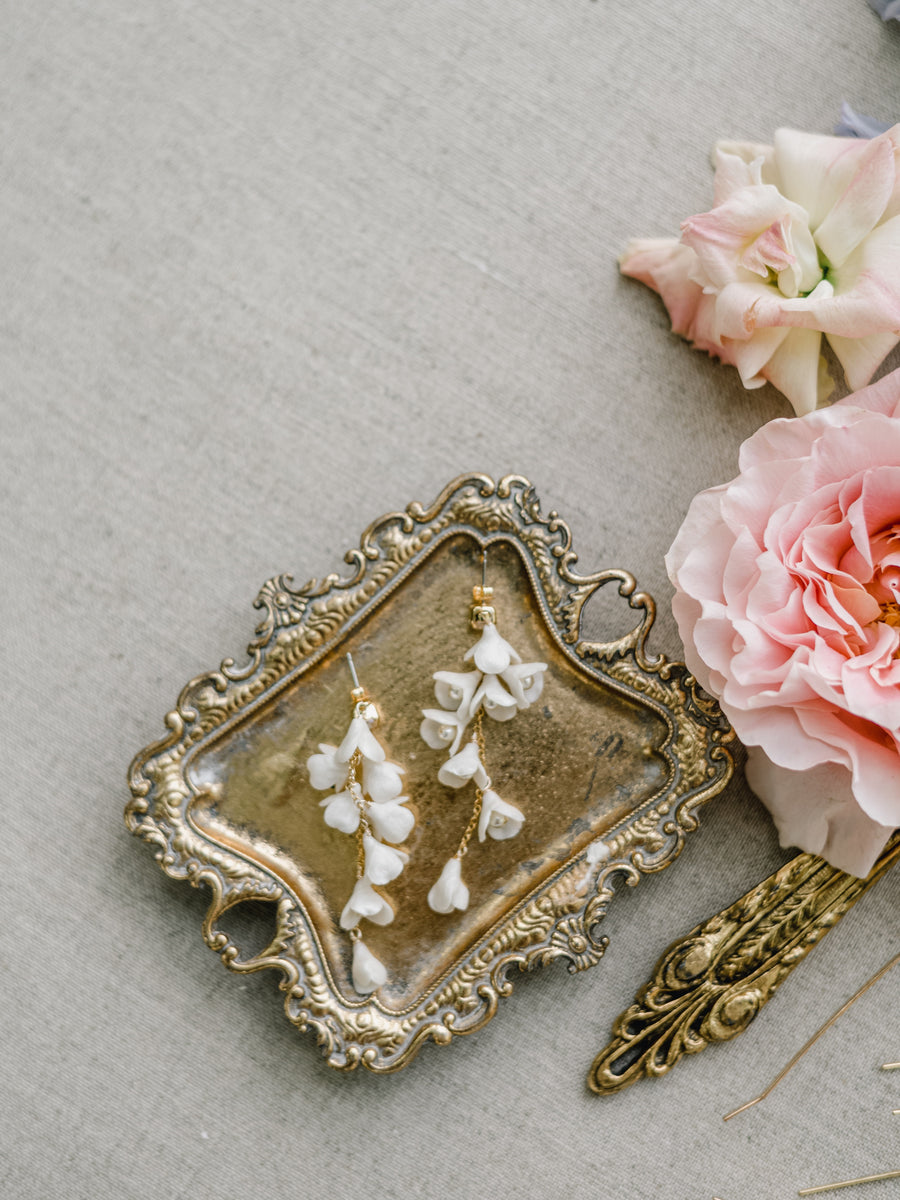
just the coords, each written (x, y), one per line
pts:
(788, 602)
(803, 239)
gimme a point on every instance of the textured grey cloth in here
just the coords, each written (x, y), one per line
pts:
(263, 260)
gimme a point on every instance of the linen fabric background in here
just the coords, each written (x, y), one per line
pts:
(267, 261)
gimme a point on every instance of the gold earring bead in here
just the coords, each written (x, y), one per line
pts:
(483, 612)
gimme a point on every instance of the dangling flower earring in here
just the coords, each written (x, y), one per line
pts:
(500, 686)
(366, 801)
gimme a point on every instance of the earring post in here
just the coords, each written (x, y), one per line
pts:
(353, 674)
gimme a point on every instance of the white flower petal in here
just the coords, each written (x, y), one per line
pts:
(341, 812)
(381, 780)
(750, 357)
(758, 157)
(324, 769)
(860, 357)
(454, 689)
(806, 272)
(442, 730)
(360, 737)
(815, 169)
(383, 863)
(525, 681)
(491, 652)
(459, 769)
(367, 971)
(366, 902)
(350, 917)
(497, 702)
(816, 810)
(449, 892)
(798, 369)
(498, 819)
(390, 820)
(734, 172)
(861, 206)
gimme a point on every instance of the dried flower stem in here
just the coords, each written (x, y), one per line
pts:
(812, 1041)
(832, 1187)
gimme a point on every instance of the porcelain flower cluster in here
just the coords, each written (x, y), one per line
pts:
(500, 686)
(803, 240)
(366, 800)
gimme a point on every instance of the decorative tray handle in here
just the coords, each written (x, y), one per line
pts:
(708, 986)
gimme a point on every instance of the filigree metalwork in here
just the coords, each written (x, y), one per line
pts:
(708, 986)
(224, 807)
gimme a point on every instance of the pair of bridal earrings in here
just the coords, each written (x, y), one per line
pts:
(366, 787)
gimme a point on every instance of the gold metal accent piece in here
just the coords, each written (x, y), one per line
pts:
(833, 1187)
(622, 751)
(890, 1066)
(358, 691)
(708, 986)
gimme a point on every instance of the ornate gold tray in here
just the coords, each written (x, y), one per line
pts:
(610, 767)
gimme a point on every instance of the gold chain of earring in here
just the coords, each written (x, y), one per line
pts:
(363, 827)
(479, 792)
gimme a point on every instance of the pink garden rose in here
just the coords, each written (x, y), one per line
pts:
(788, 602)
(803, 239)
